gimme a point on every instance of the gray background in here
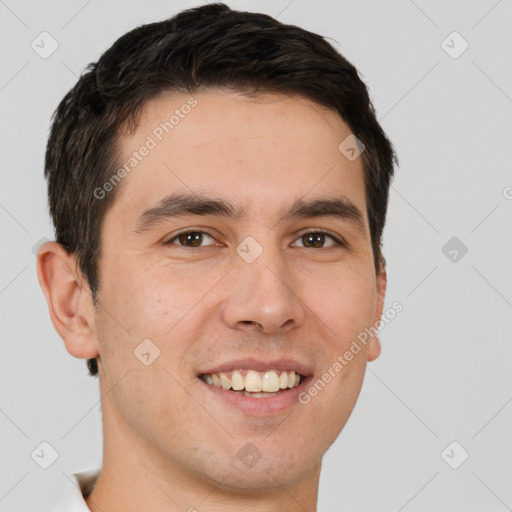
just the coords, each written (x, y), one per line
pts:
(444, 373)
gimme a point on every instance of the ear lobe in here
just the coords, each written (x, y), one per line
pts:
(69, 300)
(374, 347)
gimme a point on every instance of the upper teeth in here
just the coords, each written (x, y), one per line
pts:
(253, 381)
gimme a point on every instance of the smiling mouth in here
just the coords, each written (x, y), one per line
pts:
(253, 383)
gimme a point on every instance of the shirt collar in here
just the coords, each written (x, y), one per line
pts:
(76, 490)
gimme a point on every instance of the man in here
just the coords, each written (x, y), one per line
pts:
(219, 185)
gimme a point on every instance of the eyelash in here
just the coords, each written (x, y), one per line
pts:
(336, 239)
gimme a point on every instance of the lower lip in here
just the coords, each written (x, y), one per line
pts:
(260, 406)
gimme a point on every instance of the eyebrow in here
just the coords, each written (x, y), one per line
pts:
(181, 205)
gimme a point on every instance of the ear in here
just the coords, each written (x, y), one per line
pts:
(374, 347)
(69, 299)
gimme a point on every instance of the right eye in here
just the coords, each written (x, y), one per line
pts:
(189, 238)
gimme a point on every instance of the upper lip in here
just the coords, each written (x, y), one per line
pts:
(261, 366)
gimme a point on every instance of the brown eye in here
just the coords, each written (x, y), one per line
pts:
(189, 238)
(316, 240)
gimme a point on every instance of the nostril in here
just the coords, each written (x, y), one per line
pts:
(251, 322)
(249, 325)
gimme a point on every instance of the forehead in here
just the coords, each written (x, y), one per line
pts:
(258, 152)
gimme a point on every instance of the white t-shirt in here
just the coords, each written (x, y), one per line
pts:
(73, 497)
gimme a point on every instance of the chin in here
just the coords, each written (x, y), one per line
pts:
(267, 478)
(254, 470)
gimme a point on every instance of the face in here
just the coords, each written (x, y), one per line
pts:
(254, 290)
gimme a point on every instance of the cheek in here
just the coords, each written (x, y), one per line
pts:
(145, 303)
(345, 307)
(346, 304)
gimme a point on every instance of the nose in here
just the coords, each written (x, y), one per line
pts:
(263, 296)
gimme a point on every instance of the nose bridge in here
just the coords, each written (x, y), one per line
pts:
(266, 273)
(261, 288)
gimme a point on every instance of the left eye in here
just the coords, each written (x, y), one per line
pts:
(312, 239)
(316, 239)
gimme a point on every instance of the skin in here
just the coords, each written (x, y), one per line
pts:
(167, 444)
